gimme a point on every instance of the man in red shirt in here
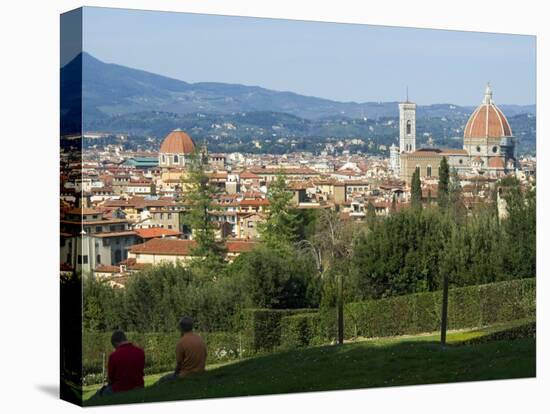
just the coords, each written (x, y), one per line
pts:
(125, 366)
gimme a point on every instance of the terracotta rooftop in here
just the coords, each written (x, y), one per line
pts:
(487, 121)
(177, 142)
(156, 232)
(174, 247)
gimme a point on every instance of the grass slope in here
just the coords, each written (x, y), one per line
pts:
(365, 364)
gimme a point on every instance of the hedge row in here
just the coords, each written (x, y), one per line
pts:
(469, 307)
(525, 330)
(262, 327)
(159, 350)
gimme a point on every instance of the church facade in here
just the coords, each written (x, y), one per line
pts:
(489, 148)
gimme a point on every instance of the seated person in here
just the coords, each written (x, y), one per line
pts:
(125, 366)
(190, 352)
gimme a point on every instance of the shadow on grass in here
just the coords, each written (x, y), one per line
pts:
(350, 366)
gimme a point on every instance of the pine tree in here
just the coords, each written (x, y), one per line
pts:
(443, 186)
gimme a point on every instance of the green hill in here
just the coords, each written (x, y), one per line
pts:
(499, 352)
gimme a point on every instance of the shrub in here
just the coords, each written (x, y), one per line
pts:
(301, 330)
(262, 327)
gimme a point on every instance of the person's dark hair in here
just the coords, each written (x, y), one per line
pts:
(117, 337)
(186, 324)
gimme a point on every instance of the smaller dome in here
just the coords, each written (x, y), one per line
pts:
(177, 142)
(496, 162)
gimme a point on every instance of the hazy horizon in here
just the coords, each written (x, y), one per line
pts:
(339, 62)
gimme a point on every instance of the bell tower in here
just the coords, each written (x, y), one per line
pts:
(407, 126)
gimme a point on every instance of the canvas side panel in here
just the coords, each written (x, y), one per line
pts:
(70, 206)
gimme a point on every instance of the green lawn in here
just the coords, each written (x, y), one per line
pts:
(362, 364)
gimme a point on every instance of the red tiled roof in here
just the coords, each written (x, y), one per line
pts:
(156, 232)
(172, 247)
(254, 202)
(496, 162)
(487, 121)
(240, 246)
(81, 211)
(177, 142)
(248, 175)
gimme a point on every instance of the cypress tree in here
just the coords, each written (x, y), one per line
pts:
(443, 186)
(416, 190)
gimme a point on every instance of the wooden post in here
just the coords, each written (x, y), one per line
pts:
(444, 307)
(340, 309)
(103, 368)
(240, 345)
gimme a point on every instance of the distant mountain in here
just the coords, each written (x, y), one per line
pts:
(111, 90)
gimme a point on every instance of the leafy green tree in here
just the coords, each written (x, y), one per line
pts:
(443, 185)
(277, 278)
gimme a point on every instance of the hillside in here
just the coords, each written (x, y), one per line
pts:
(376, 363)
(118, 99)
(110, 89)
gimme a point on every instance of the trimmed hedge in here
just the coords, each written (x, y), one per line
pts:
(469, 307)
(262, 327)
(159, 350)
(526, 330)
(301, 330)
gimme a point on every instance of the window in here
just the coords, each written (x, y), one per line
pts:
(417, 169)
(478, 148)
(98, 229)
(169, 216)
(69, 258)
(409, 127)
(460, 161)
(98, 259)
(250, 224)
(429, 171)
(495, 149)
(118, 256)
(176, 159)
(106, 242)
(163, 158)
(82, 259)
(112, 227)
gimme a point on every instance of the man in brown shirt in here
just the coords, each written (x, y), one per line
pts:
(190, 352)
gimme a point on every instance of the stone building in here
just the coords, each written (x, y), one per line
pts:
(489, 147)
(176, 149)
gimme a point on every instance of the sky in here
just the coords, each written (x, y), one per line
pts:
(343, 62)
